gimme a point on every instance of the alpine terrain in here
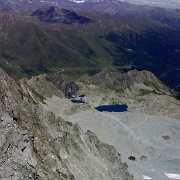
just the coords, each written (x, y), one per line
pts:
(89, 90)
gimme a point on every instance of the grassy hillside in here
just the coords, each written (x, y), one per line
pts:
(50, 44)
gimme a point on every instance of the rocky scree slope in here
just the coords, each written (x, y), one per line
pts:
(139, 82)
(36, 145)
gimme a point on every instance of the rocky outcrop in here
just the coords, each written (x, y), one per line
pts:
(34, 144)
(39, 84)
(139, 81)
(64, 84)
(62, 16)
(70, 89)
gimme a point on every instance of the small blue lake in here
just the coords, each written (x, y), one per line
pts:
(112, 108)
(77, 101)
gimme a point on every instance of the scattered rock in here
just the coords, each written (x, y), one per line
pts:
(132, 158)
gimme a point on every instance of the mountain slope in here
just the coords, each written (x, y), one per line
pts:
(112, 7)
(35, 144)
(138, 82)
(45, 48)
(147, 134)
(55, 39)
(55, 15)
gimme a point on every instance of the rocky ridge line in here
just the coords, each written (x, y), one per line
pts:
(36, 145)
(138, 82)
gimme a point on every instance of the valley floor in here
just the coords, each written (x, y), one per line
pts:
(150, 141)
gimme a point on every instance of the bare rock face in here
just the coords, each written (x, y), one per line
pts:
(140, 81)
(54, 15)
(36, 145)
(65, 84)
(39, 84)
(70, 89)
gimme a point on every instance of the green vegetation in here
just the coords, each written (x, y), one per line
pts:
(33, 48)
(39, 96)
(21, 93)
(143, 92)
(117, 81)
(121, 91)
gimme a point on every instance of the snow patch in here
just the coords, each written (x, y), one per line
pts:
(146, 177)
(78, 1)
(172, 176)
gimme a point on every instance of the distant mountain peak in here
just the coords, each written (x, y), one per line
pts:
(55, 15)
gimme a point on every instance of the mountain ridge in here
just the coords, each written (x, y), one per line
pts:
(114, 8)
(60, 62)
(37, 145)
(104, 41)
